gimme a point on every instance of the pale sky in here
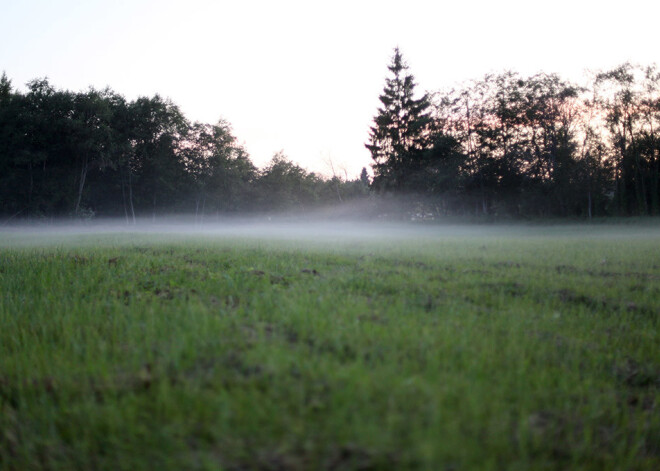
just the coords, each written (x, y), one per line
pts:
(304, 76)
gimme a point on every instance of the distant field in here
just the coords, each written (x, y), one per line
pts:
(444, 348)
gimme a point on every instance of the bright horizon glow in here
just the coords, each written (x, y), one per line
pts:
(304, 77)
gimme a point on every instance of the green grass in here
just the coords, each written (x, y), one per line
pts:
(525, 348)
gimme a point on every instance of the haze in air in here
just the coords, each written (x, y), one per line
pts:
(350, 236)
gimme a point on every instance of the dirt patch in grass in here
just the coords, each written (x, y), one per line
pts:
(346, 457)
(508, 288)
(570, 297)
(634, 375)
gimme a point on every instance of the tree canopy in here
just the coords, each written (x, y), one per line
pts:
(401, 131)
(522, 146)
(504, 144)
(88, 153)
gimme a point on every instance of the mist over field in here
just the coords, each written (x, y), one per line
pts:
(328, 226)
(474, 301)
(300, 256)
(327, 342)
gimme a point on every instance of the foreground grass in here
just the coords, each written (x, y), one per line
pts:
(537, 349)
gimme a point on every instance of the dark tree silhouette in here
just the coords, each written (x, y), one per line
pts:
(402, 130)
(502, 145)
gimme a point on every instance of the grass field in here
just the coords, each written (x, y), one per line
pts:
(451, 348)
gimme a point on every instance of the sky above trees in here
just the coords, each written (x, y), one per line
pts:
(304, 77)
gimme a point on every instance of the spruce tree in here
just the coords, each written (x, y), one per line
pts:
(364, 177)
(5, 88)
(401, 131)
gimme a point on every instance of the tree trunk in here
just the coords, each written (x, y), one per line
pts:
(640, 187)
(123, 196)
(130, 194)
(30, 189)
(81, 186)
(655, 180)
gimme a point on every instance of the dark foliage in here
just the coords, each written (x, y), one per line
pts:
(94, 153)
(401, 132)
(505, 145)
(535, 146)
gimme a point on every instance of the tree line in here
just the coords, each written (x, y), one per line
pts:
(82, 154)
(502, 145)
(522, 146)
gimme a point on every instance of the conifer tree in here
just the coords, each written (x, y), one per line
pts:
(401, 131)
(5, 88)
(364, 177)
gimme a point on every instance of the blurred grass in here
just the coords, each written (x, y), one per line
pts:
(525, 348)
